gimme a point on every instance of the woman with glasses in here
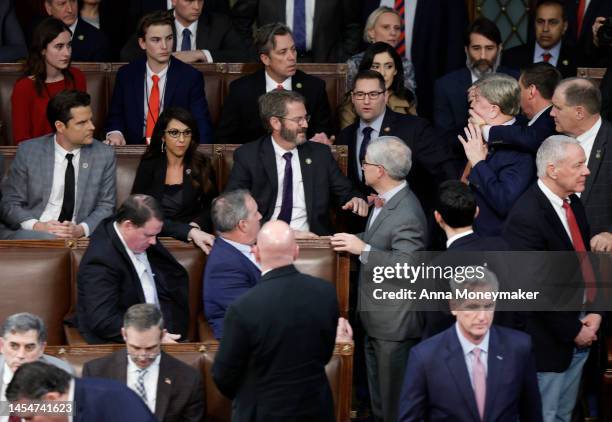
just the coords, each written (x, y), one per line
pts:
(47, 72)
(181, 178)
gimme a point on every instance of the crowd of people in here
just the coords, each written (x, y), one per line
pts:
(454, 144)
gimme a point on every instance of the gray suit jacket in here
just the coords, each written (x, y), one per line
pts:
(399, 229)
(51, 360)
(28, 185)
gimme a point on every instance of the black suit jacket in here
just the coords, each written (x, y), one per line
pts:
(215, 34)
(108, 285)
(533, 225)
(150, 180)
(606, 95)
(588, 55)
(240, 122)
(179, 386)
(275, 346)
(523, 137)
(255, 169)
(522, 55)
(89, 44)
(336, 30)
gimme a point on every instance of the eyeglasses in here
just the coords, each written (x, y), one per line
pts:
(297, 120)
(372, 95)
(175, 133)
(365, 163)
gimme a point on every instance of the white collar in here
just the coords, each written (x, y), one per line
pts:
(457, 236)
(538, 114)
(60, 150)
(133, 368)
(591, 133)
(161, 74)
(375, 124)
(555, 51)
(7, 375)
(279, 151)
(133, 256)
(271, 84)
(242, 247)
(552, 197)
(392, 192)
(468, 346)
(509, 122)
(73, 26)
(193, 27)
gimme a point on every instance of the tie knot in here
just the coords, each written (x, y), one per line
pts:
(280, 87)
(186, 32)
(155, 79)
(376, 200)
(546, 57)
(142, 371)
(287, 156)
(367, 131)
(476, 352)
(566, 204)
(69, 157)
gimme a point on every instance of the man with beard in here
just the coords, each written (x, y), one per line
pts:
(292, 179)
(483, 45)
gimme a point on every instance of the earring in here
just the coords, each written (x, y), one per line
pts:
(163, 146)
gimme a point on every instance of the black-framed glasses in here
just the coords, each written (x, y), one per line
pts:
(175, 133)
(372, 95)
(297, 120)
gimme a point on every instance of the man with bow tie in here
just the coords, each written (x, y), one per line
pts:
(396, 227)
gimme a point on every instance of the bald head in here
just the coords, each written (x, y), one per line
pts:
(276, 246)
(581, 92)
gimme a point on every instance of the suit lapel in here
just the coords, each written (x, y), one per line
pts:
(495, 365)
(552, 216)
(307, 177)
(83, 171)
(47, 164)
(267, 158)
(597, 152)
(352, 145)
(119, 370)
(386, 210)
(455, 361)
(172, 80)
(164, 387)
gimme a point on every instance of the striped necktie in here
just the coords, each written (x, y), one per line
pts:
(401, 43)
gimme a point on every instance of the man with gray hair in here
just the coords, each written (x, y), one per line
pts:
(24, 338)
(142, 365)
(395, 228)
(549, 216)
(231, 269)
(496, 176)
(576, 110)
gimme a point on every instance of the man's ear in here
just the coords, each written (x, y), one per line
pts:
(265, 59)
(123, 334)
(60, 127)
(276, 123)
(439, 219)
(141, 43)
(476, 212)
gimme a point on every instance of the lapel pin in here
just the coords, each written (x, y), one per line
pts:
(308, 161)
(188, 171)
(85, 165)
(81, 37)
(565, 62)
(598, 154)
(499, 357)
(168, 381)
(298, 85)
(387, 129)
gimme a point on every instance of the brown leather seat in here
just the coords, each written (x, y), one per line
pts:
(594, 73)
(201, 356)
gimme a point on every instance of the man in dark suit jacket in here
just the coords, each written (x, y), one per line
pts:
(446, 378)
(89, 44)
(550, 26)
(588, 54)
(436, 47)
(240, 121)
(576, 106)
(91, 399)
(12, 43)
(170, 388)
(125, 265)
(231, 269)
(291, 178)
(540, 221)
(130, 117)
(336, 32)
(291, 314)
(211, 36)
(483, 45)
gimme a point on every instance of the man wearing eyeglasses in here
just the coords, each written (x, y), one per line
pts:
(170, 388)
(290, 178)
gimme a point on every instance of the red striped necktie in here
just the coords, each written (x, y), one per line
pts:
(401, 44)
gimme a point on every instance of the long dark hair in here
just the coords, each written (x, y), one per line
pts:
(35, 65)
(202, 174)
(397, 86)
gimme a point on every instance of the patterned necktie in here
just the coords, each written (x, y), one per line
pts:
(479, 379)
(401, 43)
(376, 200)
(578, 242)
(68, 202)
(299, 24)
(153, 108)
(580, 17)
(186, 43)
(287, 200)
(546, 57)
(140, 386)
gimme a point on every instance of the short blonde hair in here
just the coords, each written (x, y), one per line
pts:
(371, 22)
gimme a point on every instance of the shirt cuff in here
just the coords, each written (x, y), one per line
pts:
(485, 132)
(85, 229)
(208, 56)
(29, 224)
(363, 257)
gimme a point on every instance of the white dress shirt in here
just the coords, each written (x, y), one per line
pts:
(467, 346)
(310, 10)
(555, 52)
(557, 204)
(143, 270)
(193, 28)
(487, 128)
(376, 126)
(53, 209)
(150, 380)
(299, 217)
(538, 114)
(410, 7)
(149, 86)
(587, 139)
(456, 237)
(271, 84)
(244, 250)
(73, 26)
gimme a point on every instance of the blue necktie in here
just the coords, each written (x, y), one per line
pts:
(287, 200)
(186, 43)
(299, 24)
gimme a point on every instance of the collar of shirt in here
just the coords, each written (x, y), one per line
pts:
(193, 28)
(554, 52)
(457, 237)
(138, 264)
(271, 84)
(587, 139)
(375, 124)
(509, 122)
(281, 151)
(391, 193)
(71, 388)
(468, 346)
(73, 26)
(244, 249)
(552, 197)
(60, 151)
(132, 368)
(169, 4)
(538, 114)
(161, 74)
(7, 376)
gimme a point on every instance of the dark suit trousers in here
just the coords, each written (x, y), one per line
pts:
(386, 365)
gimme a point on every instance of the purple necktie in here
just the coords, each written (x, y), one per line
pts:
(299, 24)
(480, 382)
(287, 201)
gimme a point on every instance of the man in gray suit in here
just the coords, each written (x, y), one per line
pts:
(62, 184)
(396, 227)
(24, 338)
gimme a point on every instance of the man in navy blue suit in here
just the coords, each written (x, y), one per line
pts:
(91, 400)
(231, 269)
(537, 83)
(500, 175)
(472, 371)
(145, 87)
(483, 45)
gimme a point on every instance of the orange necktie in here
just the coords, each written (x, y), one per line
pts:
(153, 108)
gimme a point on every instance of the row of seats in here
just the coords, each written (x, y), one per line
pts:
(128, 158)
(41, 276)
(101, 80)
(201, 356)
